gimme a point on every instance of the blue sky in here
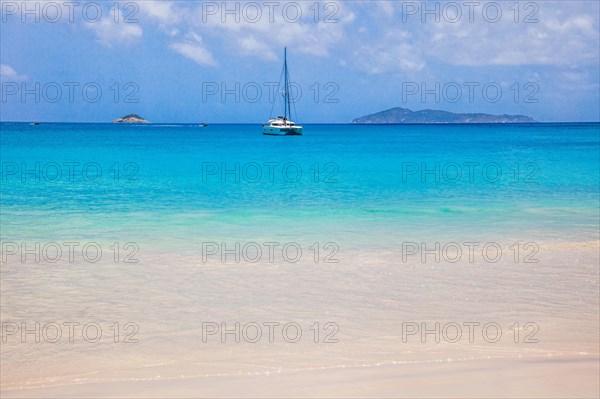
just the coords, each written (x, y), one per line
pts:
(169, 61)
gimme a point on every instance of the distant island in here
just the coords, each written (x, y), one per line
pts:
(405, 115)
(131, 118)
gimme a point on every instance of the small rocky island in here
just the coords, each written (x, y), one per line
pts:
(131, 118)
(405, 115)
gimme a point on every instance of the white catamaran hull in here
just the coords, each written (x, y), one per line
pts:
(282, 131)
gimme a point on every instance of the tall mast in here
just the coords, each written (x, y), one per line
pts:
(286, 93)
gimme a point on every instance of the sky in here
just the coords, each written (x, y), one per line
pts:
(220, 61)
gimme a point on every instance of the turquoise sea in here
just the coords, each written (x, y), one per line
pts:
(171, 184)
(160, 193)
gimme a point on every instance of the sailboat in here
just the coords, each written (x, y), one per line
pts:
(282, 126)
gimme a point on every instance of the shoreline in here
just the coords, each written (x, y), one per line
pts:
(500, 377)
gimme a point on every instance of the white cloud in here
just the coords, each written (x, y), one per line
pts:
(246, 34)
(166, 12)
(251, 45)
(109, 32)
(193, 48)
(387, 7)
(392, 53)
(563, 36)
(386, 40)
(306, 36)
(7, 73)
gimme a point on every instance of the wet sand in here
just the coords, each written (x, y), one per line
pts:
(532, 378)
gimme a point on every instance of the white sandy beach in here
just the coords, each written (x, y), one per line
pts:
(551, 351)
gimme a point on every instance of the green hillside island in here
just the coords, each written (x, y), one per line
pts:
(131, 118)
(405, 115)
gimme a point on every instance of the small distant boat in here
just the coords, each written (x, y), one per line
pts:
(203, 124)
(34, 123)
(282, 126)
